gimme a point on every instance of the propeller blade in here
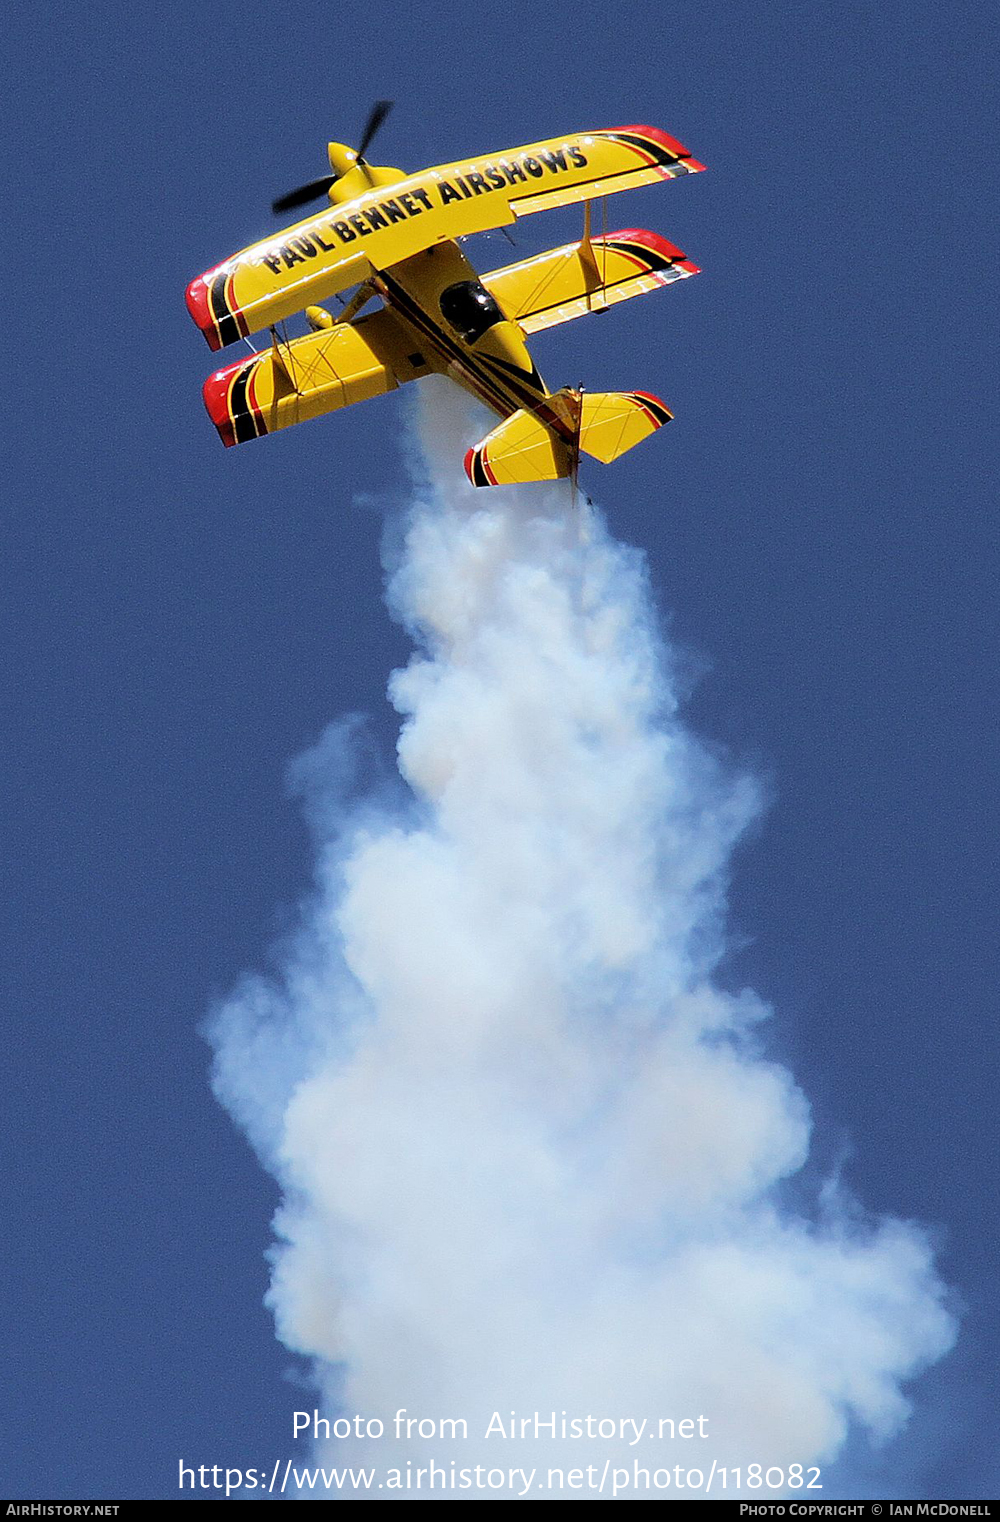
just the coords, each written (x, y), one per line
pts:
(304, 194)
(379, 112)
(317, 188)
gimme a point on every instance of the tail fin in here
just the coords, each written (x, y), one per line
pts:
(543, 445)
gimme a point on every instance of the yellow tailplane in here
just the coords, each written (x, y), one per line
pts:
(544, 444)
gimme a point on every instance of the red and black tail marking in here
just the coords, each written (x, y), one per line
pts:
(653, 407)
(477, 468)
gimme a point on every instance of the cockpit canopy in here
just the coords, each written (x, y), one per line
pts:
(470, 309)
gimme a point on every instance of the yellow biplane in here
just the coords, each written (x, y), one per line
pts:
(396, 237)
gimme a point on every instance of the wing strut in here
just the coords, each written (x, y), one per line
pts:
(283, 363)
(588, 257)
(363, 294)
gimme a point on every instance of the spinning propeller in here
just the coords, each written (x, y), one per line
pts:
(317, 188)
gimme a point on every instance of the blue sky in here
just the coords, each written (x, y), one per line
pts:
(179, 621)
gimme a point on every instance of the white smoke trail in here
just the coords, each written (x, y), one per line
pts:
(530, 1153)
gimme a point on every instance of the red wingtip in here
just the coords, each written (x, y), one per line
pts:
(649, 240)
(469, 453)
(196, 297)
(215, 393)
(664, 139)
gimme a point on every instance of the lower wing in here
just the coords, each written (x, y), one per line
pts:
(586, 277)
(309, 376)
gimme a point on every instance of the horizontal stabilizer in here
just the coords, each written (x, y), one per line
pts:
(522, 448)
(588, 276)
(544, 445)
(612, 422)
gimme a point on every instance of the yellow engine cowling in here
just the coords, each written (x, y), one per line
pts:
(354, 178)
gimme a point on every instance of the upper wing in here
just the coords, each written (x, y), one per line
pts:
(332, 250)
(616, 158)
(265, 283)
(568, 282)
(343, 244)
